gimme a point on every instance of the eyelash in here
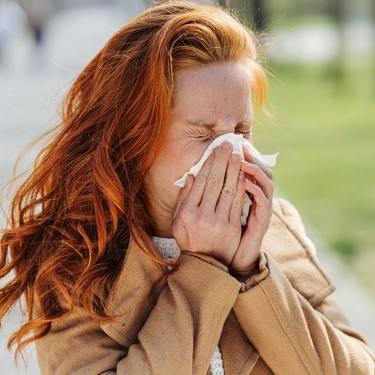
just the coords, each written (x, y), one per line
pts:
(245, 134)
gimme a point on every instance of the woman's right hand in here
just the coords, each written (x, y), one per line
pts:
(207, 217)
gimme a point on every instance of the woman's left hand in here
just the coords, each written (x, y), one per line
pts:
(258, 182)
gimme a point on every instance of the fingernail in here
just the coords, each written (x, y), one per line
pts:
(225, 146)
(235, 156)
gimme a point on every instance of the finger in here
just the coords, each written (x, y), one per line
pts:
(259, 177)
(250, 159)
(261, 210)
(183, 193)
(259, 196)
(238, 201)
(197, 189)
(229, 189)
(216, 178)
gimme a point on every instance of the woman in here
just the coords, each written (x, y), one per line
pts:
(126, 273)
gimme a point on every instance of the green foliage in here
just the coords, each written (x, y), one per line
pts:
(346, 249)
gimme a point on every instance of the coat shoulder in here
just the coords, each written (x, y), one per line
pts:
(283, 207)
(287, 242)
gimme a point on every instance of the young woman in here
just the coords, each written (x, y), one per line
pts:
(124, 272)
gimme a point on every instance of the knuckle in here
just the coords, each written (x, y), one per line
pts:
(237, 202)
(240, 186)
(201, 180)
(228, 191)
(257, 188)
(213, 182)
(257, 169)
(267, 201)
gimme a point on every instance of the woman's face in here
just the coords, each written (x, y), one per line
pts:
(209, 101)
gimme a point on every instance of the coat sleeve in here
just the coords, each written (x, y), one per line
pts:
(179, 337)
(291, 335)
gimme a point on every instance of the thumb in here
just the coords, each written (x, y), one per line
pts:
(184, 192)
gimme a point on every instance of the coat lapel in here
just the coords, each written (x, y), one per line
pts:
(130, 298)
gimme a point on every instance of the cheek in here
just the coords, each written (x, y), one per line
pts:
(165, 170)
(170, 165)
(179, 159)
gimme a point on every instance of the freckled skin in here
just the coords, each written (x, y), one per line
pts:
(217, 94)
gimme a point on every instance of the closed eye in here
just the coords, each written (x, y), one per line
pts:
(239, 132)
(211, 137)
(246, 134)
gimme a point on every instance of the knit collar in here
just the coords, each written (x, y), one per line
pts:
(167, 246)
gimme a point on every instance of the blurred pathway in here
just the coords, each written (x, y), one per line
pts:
(354, 300)
(31, 87)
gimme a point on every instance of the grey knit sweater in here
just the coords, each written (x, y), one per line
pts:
(170, 251)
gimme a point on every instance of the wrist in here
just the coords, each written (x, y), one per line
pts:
(220, 259)
(244, 275)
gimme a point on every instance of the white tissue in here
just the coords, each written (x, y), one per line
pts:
(237, 141)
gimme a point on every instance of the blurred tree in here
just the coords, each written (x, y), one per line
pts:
(338, 69)
(373, 40)
(257, 14)
(253, 11)
(223, 3)
(38, 12)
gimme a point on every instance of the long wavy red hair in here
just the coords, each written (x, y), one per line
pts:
(70, 221)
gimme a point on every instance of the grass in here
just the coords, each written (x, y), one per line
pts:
(325, 134)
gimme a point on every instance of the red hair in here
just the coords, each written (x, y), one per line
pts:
(71, 220)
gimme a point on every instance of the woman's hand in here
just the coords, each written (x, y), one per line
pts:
(207, 217)
(260, 186)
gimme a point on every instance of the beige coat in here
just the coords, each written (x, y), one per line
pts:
(283, 321)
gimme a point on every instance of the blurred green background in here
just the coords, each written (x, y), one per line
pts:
(326, 167)
(320, 57)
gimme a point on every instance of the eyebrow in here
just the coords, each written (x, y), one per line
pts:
(202, 124)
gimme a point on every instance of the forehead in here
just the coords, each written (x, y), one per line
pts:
(219, 90)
